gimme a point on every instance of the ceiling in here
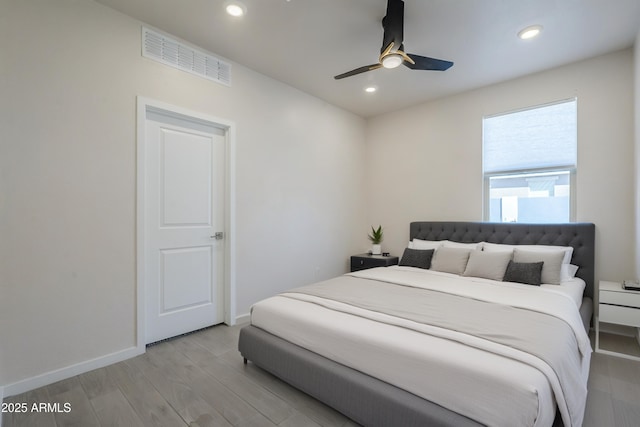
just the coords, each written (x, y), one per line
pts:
(304, 43)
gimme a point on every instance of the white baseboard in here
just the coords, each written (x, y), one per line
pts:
(51, 377)
(243, 318)
(70, 371)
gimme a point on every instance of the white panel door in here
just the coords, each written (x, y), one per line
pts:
(184, 224)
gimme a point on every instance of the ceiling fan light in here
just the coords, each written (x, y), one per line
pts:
(530, 32)
(392, 61)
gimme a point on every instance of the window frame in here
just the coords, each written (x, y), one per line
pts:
(571, 169)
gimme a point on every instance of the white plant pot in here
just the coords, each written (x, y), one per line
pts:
(376, 249)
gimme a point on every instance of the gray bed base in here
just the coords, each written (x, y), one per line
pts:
(364, 399)
(372, 402)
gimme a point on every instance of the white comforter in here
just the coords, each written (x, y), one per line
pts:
(490, 383)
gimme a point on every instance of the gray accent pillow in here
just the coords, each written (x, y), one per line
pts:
(420, 258)
(552, 268)
(529, 273)
(450, 260)
(488, 265)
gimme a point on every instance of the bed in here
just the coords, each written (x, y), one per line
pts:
(400, 365)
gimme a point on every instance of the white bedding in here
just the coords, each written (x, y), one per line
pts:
(498, 389)
(573, 288)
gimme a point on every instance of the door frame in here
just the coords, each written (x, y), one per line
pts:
(229, 128)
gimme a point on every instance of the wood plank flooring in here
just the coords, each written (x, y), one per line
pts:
(199, 380)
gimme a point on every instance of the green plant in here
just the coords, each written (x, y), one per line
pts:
(376, 235)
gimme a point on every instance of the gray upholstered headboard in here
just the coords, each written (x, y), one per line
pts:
(581, 236)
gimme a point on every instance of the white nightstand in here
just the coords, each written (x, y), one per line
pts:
(619, 306)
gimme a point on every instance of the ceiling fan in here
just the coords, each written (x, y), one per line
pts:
(392, 53)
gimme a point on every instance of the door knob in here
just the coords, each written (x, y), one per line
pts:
(218, 235)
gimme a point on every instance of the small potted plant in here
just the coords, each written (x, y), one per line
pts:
(376, 238)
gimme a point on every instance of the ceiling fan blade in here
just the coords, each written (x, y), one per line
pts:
(424, 63)
(393, 24)
(358, 71)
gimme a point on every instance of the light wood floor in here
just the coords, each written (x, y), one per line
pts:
(199, 380)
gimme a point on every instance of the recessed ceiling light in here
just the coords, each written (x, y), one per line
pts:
(370, 89)
(530, 32)
(235, 8)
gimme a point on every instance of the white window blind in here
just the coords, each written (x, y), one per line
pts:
(538, 138)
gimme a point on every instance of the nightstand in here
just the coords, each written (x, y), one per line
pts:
(364, 261)
(619, 306)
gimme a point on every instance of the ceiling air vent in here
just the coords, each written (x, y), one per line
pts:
(171, 52)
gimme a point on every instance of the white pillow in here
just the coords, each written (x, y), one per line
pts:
(450, 260)
(495, 247)
(425, 244)
(551, 269)
(488, 265)
(472, 246)
(568, 272)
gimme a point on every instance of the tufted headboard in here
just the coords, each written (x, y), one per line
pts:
(581, 236)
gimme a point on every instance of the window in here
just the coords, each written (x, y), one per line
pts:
(529, 164)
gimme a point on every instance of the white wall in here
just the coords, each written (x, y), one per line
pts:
(425, 162)
(70, 73)
(637, 147)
